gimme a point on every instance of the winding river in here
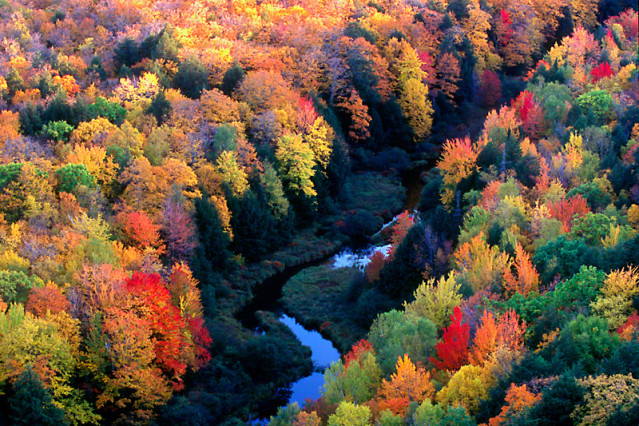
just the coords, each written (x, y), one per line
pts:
(267, 298)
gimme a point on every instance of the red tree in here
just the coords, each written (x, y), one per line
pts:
(603, 70)
(152, 301)
(566, 208)
(453, 349)
(489, 88)
(357, 350)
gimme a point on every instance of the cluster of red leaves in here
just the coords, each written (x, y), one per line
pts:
(566, 208)
(603, 70)
(453, 348)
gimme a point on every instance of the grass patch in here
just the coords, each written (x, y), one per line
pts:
(318, 297)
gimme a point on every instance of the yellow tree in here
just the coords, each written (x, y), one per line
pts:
(458, 161)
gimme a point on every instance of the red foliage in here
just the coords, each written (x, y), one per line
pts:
(201, 341)
(566, 208)
(603, 70)
(428, 66)
(530, 113)
(154, 305)
(453, 349)
(630, 327)
(358, 349)
(47, 298)
(306, 115)
(504, 28)
(489, 88)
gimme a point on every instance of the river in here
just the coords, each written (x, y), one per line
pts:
(267, 298)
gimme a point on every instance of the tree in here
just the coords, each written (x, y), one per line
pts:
(140, 230)
(452, 351)
(565, 209)
(32, 403)
(356, 379)
(436, 302)
(409, 383)
(46, 299)
(73, 175)
(468, 386)
(457, 162)
(615, 302)
(489, 89)
(605, 394)
(485, 341)
(178, 230)
(394, 334)
(296, 162)
(482, 266)
(232, 173)
(350, 414)
(526, 278)
(518, 399)
(191, 78)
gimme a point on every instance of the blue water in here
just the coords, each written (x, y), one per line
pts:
(323, 353)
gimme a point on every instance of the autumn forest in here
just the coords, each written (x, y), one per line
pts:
(445, 192)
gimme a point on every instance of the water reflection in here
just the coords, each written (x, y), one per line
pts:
(323, 353)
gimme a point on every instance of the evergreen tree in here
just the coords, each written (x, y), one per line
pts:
(31, 403)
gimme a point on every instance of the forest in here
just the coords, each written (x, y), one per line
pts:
(176, 175)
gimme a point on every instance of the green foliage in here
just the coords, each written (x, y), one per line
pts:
(558, 402)
(563, 257)
(586, 341)
(15, 286)
(436, 301)
(57, 130)
(597, 102)
(224, 139)
(31, 403)
(112, 111)
(580, 290)
(231, 79)
(9, 173)
(358, 383)
(191, 78)
(396, 333)
(73, 175)
(593, 193)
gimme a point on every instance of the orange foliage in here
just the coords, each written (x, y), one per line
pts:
(526, 278)
(485, 341)
(409, 383)
(510, 332)
(140, 230)
(457, 162)
(374, 267)
(517, 399)
(47, 298)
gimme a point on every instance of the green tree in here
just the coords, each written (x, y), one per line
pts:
(73, 175)
(357, 382)
(277, 201)
(586, 341)
(57, 130)
(394, 334)
(15, 286)
(31, 403)
(598, 103)
(191, 78)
